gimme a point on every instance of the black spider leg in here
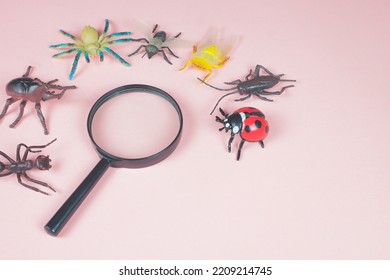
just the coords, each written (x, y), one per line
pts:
(21, 111)
(2, 165)
(7, 104)
(41, 117)
(239, 149)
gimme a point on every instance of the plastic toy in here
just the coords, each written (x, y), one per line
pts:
(249, 122)
(108, 158)
(91, 43)
(253, 85)
(212, 53)
(34, 90)
(157, 42)
(21, 165)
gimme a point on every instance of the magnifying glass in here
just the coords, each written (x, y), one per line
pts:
(132, 126)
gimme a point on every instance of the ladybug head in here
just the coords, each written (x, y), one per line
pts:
(230, 122)
(43, 162)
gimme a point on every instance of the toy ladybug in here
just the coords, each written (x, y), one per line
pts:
(249, 122)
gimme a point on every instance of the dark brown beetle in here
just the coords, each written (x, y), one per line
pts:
(33, 90)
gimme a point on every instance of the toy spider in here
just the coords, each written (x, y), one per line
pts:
(91, 44)
(21, 165)
(34, 90)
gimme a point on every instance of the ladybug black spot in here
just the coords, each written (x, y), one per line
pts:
(247, 128)
(258, 124)
(266, 129)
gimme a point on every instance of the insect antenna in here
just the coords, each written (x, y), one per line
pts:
(221, 89)
(230, 93)
(284, 80)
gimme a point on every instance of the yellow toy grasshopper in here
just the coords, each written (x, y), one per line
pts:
(212, 53)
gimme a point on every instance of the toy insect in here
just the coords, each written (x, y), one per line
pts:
(34, 90)
(91, 43)
(21, 165)
(157, 43)
(249, 122)
(253, 85)
(213, 53)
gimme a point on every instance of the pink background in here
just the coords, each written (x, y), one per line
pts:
(319, 189)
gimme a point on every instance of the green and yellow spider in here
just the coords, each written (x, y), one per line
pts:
(91, 43)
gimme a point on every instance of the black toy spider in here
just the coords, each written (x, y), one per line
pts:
(21, 165)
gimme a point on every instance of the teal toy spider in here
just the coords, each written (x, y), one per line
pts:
(91, 43)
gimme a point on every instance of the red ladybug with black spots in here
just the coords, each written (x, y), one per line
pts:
(249, 122)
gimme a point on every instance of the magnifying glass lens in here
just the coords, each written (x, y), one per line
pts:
(132, 126)
(135, 125)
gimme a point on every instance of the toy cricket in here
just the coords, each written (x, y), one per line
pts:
(254, 85)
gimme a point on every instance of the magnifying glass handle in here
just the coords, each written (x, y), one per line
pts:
(58, 221)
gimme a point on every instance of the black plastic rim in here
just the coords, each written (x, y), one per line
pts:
(116, 161)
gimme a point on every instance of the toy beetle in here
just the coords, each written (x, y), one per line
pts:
(34, 90)
(249, 122)
(21, 165)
